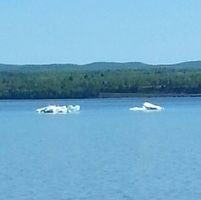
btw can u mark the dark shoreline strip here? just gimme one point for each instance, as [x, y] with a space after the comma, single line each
[115, 95]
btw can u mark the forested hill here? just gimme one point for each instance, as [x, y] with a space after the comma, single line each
[98, 66]
[99, 80]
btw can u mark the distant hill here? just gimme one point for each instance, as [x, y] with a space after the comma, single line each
[98, 66]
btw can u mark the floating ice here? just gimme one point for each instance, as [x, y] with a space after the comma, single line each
[147, 107]
[54, 109]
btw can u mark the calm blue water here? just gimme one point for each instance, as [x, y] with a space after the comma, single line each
[104, 152]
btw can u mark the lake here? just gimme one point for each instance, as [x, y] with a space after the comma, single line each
[104, 152]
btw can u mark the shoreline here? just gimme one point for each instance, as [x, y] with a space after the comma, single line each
[113, 95]
[125, 95]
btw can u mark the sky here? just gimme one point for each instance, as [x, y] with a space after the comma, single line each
[85, 31]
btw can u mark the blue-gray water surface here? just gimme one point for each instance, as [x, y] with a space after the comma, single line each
[104, 152]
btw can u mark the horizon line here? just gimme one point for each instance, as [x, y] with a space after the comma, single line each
[96, 62]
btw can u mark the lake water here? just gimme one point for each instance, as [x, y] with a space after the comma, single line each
[105, 152]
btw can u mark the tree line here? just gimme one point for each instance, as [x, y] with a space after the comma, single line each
[90, 84]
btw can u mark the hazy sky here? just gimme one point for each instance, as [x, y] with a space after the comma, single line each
[83, 31]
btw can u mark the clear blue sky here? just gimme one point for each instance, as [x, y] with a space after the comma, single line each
[83, 31]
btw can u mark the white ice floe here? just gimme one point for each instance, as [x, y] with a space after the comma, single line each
[147, 107]
[73, 108]
[150, 106]
[138, 109]
[54, 109]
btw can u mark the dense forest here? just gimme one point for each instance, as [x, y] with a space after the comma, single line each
[61, 83]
